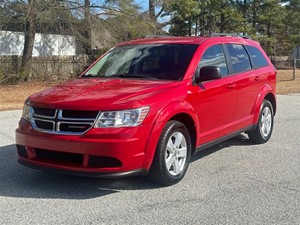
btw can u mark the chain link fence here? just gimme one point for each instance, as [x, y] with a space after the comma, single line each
[287, 69]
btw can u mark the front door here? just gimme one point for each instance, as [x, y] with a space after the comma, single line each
[215, 99]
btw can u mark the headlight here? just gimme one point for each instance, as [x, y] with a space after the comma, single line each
[26, 112]
[126, 118]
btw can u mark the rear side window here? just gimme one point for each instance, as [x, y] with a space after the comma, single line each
[239, 58]
[214, 56]
[258, 59]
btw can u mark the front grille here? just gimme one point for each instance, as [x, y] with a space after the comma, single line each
[45, 125]
[60, 121]
[79, 114]
[102, 162]
[59, 157]
[46, 112]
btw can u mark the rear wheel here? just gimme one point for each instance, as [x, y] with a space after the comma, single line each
[264, 128]
[172, 155]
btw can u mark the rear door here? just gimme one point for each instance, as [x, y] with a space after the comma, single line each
[249, 79]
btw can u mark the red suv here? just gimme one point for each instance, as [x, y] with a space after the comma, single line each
[147, 105]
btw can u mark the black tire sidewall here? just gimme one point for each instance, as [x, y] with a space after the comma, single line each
[265, 104]
[177, 127]
[159, 169]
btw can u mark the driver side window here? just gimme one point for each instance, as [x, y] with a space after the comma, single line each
[214, 56]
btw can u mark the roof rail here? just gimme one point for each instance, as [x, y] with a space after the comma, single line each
[158, 36]
[230, 35]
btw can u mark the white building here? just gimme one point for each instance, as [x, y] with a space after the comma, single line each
[12, 43]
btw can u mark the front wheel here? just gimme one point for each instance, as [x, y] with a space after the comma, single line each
[172, 154]
[264, 127]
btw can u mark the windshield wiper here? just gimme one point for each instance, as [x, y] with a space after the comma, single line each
[144, 76]
[89, 75]
[92, 75]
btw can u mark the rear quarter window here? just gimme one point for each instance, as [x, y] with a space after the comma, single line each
[257, 58]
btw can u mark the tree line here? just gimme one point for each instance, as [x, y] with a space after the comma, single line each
[274, 23]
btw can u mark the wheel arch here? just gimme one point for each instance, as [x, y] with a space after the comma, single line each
[184, 114]
[271, 98]
[188, 121]
[266, 93]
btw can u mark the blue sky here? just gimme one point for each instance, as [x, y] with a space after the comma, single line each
[141, 3]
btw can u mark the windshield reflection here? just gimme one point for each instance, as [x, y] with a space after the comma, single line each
[149, 61]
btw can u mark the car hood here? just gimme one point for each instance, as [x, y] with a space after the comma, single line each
[99, 94]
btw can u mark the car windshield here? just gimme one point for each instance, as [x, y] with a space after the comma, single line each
[147, 61]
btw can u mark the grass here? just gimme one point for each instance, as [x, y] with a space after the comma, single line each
[13, 96]
[285, 84]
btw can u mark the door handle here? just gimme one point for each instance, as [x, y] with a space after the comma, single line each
[231, 86]
[257, 78]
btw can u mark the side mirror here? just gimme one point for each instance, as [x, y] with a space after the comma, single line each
[208, 73]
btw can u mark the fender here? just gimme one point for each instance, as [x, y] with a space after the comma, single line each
[266, 89]
[161, 119]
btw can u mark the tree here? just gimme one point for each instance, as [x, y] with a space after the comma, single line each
[182, 13]
[32, 16]
[30, 30]
[271, 26]
[129, 22]
[205, 17]
[157, 10]
[88, 30]
[293, 20]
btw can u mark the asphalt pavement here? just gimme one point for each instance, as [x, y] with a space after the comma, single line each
[234, 182]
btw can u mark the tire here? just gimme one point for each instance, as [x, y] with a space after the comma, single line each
[263, 131]
[172, 156]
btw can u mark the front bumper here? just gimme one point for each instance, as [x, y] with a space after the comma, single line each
[84, 174]
[106, 152]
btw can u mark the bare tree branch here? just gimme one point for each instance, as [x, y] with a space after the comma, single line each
[160, 12]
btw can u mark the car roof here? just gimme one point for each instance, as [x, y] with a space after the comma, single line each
[190, 40]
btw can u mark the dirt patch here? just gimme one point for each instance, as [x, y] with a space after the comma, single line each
[13, 96]
[285, 84]
[286, 87]
[287, 75]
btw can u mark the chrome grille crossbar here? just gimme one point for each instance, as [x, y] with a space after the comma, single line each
[53, 121]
